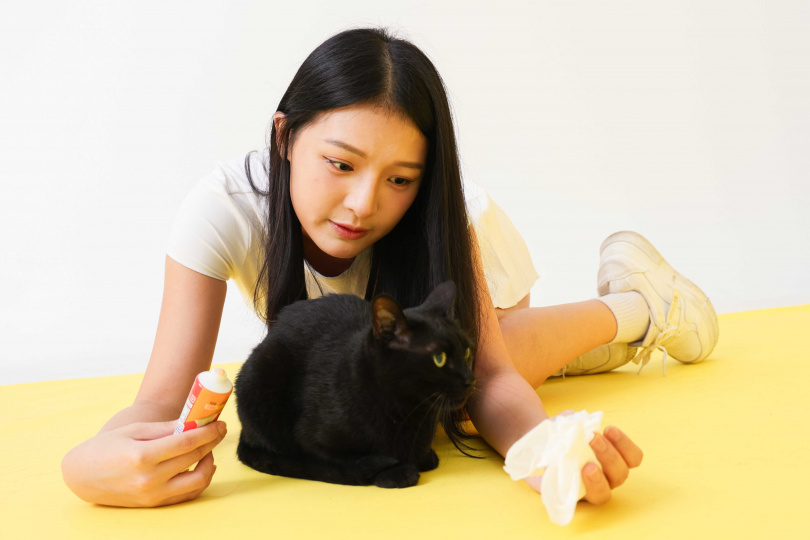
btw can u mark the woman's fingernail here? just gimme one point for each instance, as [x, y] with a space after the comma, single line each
[590, 470]
[598, 443]
[613, 433]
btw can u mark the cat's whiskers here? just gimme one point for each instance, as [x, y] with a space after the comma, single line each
[416, 408]
[403, 422]
[439, 398]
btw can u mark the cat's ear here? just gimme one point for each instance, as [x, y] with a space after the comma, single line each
[388, 320]
[440, 299]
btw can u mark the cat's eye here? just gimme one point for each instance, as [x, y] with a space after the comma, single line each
[439, 359]
[467, 354]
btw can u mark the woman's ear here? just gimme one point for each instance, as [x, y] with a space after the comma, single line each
[278, 120]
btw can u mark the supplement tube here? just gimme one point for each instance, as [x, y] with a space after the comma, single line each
[205, 401]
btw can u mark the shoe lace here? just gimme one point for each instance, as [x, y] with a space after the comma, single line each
[670, 327]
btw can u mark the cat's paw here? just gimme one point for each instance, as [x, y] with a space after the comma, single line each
[368, 467]
[402, 476]
[429, 461]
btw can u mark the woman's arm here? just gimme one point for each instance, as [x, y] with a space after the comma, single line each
[186, 335]
[135, 460]
[187, 332]
[506, 407]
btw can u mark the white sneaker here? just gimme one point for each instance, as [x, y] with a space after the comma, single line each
[602, 358]
[682, 319]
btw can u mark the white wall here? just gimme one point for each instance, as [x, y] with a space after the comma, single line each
[686, 121]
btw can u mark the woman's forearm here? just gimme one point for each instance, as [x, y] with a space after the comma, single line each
[505, 408]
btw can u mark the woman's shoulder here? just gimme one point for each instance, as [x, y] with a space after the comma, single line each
[219, 219]
[229, 179]
[232, 173]
[476, 199]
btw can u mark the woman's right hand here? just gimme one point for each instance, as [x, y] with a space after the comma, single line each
[143, 464]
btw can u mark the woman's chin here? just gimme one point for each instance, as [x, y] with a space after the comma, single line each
[345, 249]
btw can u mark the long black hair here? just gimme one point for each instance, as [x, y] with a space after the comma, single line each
[432, 242]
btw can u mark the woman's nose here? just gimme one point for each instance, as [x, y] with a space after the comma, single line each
[362, 197]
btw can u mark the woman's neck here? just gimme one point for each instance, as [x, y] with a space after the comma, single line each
[324, 264]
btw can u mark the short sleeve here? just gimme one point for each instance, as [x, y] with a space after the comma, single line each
[210, 233]
[507, 263]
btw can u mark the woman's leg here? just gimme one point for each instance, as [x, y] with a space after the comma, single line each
[664, 311]
[541, 340]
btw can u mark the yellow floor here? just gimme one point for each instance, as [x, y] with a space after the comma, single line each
[726, 445]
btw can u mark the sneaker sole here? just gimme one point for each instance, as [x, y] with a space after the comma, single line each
[685, 286]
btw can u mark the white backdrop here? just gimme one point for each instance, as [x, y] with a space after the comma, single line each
[686, 121]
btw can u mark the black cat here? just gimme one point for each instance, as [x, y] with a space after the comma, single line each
[347, 391]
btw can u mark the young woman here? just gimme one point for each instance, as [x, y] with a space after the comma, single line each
[359, 191]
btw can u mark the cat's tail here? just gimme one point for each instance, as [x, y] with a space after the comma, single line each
[360, 472]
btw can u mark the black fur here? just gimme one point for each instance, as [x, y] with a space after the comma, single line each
[348, 391]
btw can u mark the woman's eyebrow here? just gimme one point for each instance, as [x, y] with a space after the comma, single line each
[350, 148]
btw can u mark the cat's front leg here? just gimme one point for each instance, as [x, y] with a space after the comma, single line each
[428, 462]
[368, 467]
[402, 476]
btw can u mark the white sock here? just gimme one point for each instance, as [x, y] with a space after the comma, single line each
[632, 315]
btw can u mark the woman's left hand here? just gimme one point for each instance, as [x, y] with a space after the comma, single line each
[617, 454]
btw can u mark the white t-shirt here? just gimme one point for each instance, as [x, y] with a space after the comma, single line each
[218, 232]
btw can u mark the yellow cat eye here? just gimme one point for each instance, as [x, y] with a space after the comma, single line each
[440, 359]
[467, 354]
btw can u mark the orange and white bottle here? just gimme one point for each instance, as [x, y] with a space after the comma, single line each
[205, 401]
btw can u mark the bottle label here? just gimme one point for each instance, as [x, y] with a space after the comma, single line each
[199, 406]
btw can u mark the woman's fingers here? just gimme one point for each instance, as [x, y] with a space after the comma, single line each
[183, 444]
[617, 455]
[597, 490]
[631, 453]
[614, 467]
[194, 450]
[189, 485]
[168, 455]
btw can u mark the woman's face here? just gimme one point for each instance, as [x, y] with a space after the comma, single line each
[354, 173]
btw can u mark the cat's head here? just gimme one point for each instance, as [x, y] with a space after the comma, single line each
[422, 350]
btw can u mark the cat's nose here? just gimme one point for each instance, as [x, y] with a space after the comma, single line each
[469, 379]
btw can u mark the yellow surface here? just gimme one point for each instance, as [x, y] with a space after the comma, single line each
[726, 445]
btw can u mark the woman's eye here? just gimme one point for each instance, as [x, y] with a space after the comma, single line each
[338, 164]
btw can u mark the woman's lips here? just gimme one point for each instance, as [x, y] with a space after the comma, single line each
[350, 234]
